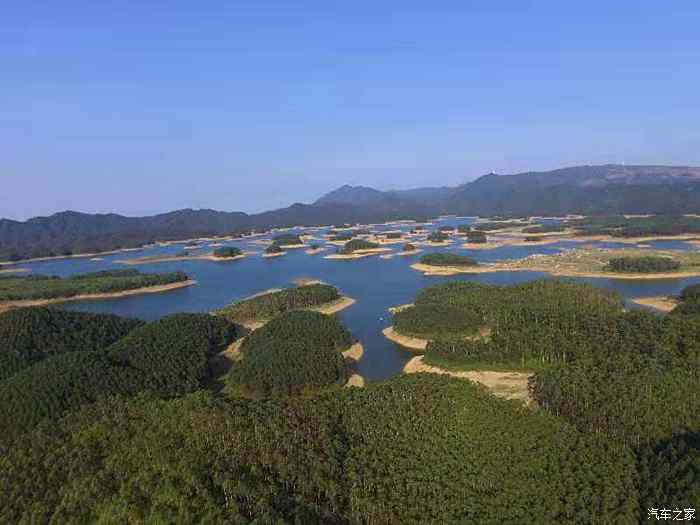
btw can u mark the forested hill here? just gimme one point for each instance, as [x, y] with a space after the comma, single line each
[609, 189]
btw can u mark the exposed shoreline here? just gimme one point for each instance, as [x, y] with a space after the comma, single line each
[14, 270]
[413, 343]
[508, 385]
[276, 254]
[663, 304]
[8, 305]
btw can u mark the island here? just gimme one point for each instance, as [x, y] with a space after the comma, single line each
[36, 290]
[357, 249]
[222, 254]
[274, 250]
[253, 312]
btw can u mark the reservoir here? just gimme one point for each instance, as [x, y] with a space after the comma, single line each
[375, 283]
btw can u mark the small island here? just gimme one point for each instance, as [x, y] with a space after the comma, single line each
[38, 290]
[274, 250]
[446, 264]
[288, 241]
[438, 238]
[357, 249]
[255, 311]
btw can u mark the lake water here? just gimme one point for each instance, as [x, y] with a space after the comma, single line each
[376, 284]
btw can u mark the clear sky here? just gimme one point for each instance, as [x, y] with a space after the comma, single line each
[141, 107]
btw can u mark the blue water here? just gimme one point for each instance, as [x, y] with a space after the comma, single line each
[376, 284]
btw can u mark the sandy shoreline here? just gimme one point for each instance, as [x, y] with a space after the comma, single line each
[454, 270]
[413, 343]
[7, 305]
[14, 270]
[334, 306]
[663, 304]
[509, 385]
[354, 353]
[277, 254]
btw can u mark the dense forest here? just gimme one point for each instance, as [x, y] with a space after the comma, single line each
[268, 305]
[28, 335]
[412, 450]
[33, 287]
[642, 264]
[168, 357]
[447, 259]
[294, 351]
[529, 324]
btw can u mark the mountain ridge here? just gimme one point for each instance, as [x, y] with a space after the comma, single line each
[603, 189]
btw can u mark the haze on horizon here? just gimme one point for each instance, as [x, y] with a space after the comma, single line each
[140, 109]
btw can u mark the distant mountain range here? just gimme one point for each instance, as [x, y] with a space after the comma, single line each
[608, 189]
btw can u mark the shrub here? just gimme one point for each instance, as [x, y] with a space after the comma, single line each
[408, 247]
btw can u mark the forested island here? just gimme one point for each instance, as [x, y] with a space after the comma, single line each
[32, 290]
[262, 307]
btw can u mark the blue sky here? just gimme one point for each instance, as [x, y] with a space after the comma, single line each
[144, 107]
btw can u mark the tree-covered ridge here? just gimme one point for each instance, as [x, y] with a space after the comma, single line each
[28, 335]
[634, 398]
[266, 306]
[357, 245]
[447, 259]
[531, 323]
[643, 264]
[412, 450]
[227, 252]
[35, 287]
[296, 350]
[169, 357]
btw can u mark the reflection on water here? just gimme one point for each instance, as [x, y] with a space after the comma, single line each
[375, 283]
